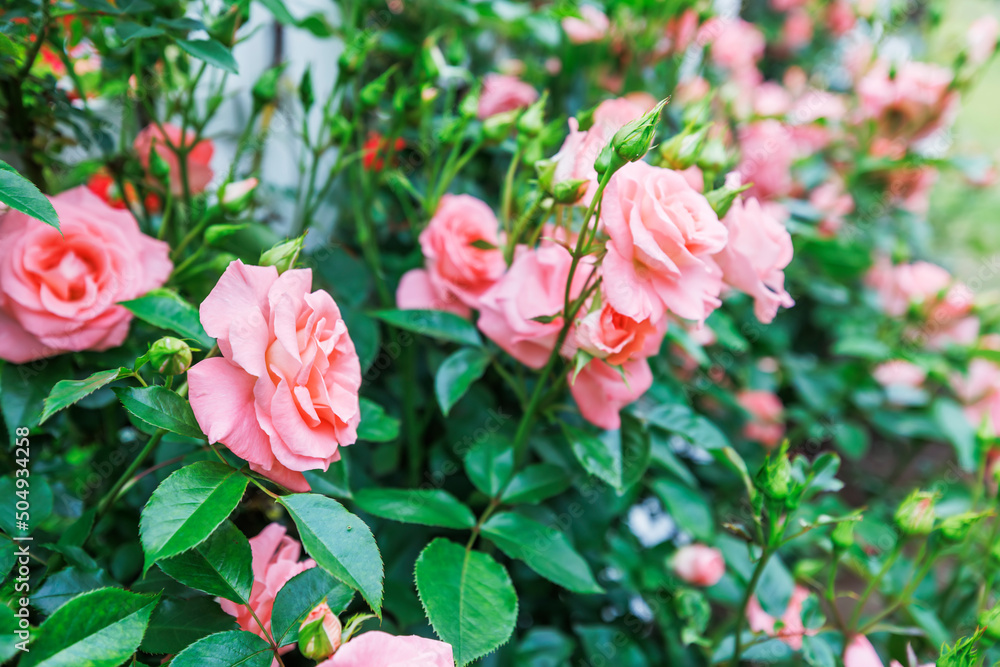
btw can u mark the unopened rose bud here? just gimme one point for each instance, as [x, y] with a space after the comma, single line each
[319, 635]
[608, 160]
[570, 192]
[956, 528]
[721, 199]
[990, 619]
[224, 28]
[158, 167]
[306, 95]
[682, 151]
[469, 107]
[699, 565]
[546, 171]
[632, 141]
[774, 478]
[915, 515]
[843, 535]
[284, 255]
[266, 88]
[532, 121]
[170, 356]
[713, 156]
[373, 91]
[235, 196]
[498, 126]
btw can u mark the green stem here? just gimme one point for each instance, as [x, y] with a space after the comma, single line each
[109, 498]
[758, 571]
[508, 189]
[890, 559]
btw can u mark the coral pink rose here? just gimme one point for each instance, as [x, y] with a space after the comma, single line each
[60, 293]
[699, 565]
[458, 270]
[284, 395]
[380, 649]
[533, 289]
[592, 26]
[275, 561]
[601, 392]
[755, 257]
[903, 285]
[982, 39]
[899, 373]
[859, 652]
[979, 389]
[662, 236]
[840, 17]
[504, 93]
[766, 424]
[767, 155]
[199, 171]
[609, 335]
[793, 629]
[910, 100]
[681, 31]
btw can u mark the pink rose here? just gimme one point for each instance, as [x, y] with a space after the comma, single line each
[592, 26]
[771, 99]
[199, 171]
[910, 188]
[275, 560]
[609, 335]
[504, 93]
[60, 293]
[699, 565]
[910, 100]
[284, 395]
[533, 289]
[767, 156]
[662, 236]
[833, 203]
[903, 285]
[601, 392]
[332, 630]
[681, 31]
[982, 39]
[753, 261]
[859, 652]
[899, 373]
[766, 424]
[380, 649]
[979, 390]
[793, 629]
[736, 44]
[840, 17]
[797, 31]
[457, 271]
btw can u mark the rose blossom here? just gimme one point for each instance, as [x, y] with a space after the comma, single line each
[899, 372]
[767, 156]
[606, 334]
[533, 288]
[275, 560]
[199, 171]
[754, 259]
[504, 93]
[601, 392]
[592, 26]
[797, 31]
[457, 271]
[793, 629]
[840, 17]
[60, 292]
[736, 44]
[699, 565]
[910, 101]
[979, 390]
[681, 31]
[284, 395]
[982, 39]
[331, 629]
[859, 652]
[380, 649]
[766, 424]
[831, 200]
[662, 235]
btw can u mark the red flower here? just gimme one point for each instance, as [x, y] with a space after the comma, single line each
[374, 149]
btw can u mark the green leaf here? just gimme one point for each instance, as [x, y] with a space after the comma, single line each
[165, 309]
[376, 425]
[102, 628]
[428, 507]
[7, 557]
[160, 407]
[67, 392]
[187, 507]
[280, 12]
[457, 374]
[129, 31]
[544, 549]
[65, 585]
[211, 52]
[21, 195]
[300, 595]
[8, 640]
[687, 506]
[489, 465]
[24, 388]
[220, 566]
[434, 323]
[39, 496]
[339, 542]
[952, 421]
[468, 597]
[636, 448]
[236, 648]
[176, 624]
[620, 457]
[536, 483]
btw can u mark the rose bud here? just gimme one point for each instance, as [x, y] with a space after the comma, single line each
[699, 565]
[915, 515]
[170, 356]
[283, 255]
[320, 634]
[234, 197]
[843, 536]
[775, 477]
[990, 620]
[955, 528]
[632, 142]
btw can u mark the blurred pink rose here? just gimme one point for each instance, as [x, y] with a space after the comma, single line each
[859, 652]
[457, 271]
[284, 395]
[910, 100]
[910, 188]
[900, 373]
[199, 171]
[601, 392]
[60, 293]
[755, 257]
[982, 39]
[797, 31]
[736, 44]
[662, 236]
[833, 203]
[840, 17]
[699, 565]
[609, 335]
[979, 390]
[533, 287]
[681, 31]
[771, 99]
[380, 649]
[766, 424]
[785, 5]
[767, 155]
[275, 561]
[691, 90]
[792, 630]
[592, 26]
[504, 93]
[903, 285]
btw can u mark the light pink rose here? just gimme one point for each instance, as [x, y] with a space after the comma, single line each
[606, 334]
[533, 287]
[755, 257]
[982, 39]
[786, 5]
[793, 629]
[284, 395]
[979, 390]
[797, 31]
[691, 90]
[275, 561]
[840, 17]
[457, 271]
[859, 652]
[681, 31]
[699, 565]
[736, 44]
[592, 26]
[833, 203]
[662, 236]
[771, 99]
[502, 93]
[380, 649]
[766, 425]
[59, 293]
[910, 100]
[199, 171]
[905, 285]
[899, 372]
[767, 155]
[601, 392]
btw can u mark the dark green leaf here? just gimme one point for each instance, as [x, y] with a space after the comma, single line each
[221, 565]
[129, 31]
[536, 483]
[160, 407]
[211, 52]
[952, 421]
[65, 585]
[429, 507]
[24, 388]
[489, 465]
[434, 323]
[165, 309]
[376, 425]
[457, 374]
[8, 640]
[38, 494]
[176, 624]
[67, 392]
[21, 195]
[687, 506]
[236, 648]
[302, 594]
